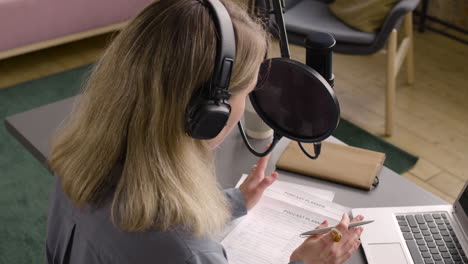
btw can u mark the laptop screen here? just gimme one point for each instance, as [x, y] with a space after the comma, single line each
[463, 200]
[461, 207]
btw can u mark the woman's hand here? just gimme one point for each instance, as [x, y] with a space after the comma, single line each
[323, 249]
[254, 185]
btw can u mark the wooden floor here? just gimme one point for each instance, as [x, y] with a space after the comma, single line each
[431, 115]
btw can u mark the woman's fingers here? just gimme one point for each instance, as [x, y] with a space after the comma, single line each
[268, 180]
[348, 244]
[324, 224]
[262, 163]
[258, 170]
[343, 224]
[357, 219]
[325, 249]
[357, 232]
[348, 251]
[256, 182]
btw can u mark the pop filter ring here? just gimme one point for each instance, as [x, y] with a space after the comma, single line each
[282, 132]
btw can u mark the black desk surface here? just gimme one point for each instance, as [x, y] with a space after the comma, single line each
[35, 128]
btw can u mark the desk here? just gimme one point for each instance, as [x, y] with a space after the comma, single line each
[34, 129]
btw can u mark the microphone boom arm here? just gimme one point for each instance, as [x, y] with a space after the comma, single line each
[278, 9]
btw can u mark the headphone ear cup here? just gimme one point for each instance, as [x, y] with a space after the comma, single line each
[208, 119]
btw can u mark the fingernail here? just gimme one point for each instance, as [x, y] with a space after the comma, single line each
[324, 221]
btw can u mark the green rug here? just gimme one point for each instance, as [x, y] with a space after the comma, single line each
[25, 183]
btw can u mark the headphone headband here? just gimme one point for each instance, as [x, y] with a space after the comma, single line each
[208, 114]
[225, 51]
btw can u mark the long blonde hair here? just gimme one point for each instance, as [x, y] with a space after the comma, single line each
[133, 106]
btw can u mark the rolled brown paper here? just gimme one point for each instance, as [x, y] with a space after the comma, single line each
[339, 163]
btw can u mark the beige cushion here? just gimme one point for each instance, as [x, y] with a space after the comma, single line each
[363, 15]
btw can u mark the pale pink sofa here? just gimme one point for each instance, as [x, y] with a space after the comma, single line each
[28, 25]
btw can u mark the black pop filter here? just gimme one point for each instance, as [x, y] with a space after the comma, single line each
[295, 101]
[291, 97]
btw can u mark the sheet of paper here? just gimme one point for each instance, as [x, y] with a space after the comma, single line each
[228, 229]
[309, 202]
[280, 186]
[270, 232]
[314, 199]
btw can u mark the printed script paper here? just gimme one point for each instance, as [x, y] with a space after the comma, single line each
[280, 186]
[291, 192]
[270, 232]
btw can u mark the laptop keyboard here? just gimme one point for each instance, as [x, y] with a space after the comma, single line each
[430, 239]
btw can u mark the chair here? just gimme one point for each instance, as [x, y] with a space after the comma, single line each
[305, 16]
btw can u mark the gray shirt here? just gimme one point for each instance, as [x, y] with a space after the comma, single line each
[88, 236]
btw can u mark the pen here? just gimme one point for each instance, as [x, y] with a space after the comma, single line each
[323, 230]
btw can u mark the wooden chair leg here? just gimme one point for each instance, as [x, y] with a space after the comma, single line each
[409, 55]
[391, 82]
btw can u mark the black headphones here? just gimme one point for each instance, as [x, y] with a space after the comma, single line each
[208, 111]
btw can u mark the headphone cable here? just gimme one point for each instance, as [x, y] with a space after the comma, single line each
[276, 139]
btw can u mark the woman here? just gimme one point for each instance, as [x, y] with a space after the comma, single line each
[132, 186]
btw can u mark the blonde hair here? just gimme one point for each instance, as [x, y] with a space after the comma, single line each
[133, 108]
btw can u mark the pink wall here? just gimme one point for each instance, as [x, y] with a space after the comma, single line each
[24, 22]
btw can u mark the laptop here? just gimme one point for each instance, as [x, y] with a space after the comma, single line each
[434, 234]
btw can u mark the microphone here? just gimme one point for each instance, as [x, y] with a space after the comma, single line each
[319, 47]
[319, 55]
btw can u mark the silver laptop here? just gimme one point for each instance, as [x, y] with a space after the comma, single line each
[423, 234]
